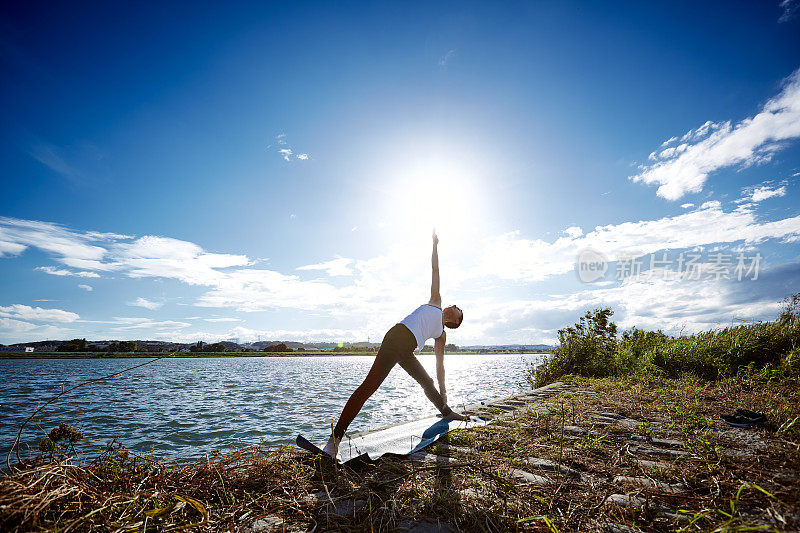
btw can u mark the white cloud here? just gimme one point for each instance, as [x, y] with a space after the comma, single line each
[21, 331]
[86, 287]
[513, 257]
[680, 307]
[335, 267]
[685, 168]
[381, 289]
[11, 248]
[21, 322]
[286, 151]
[147, 304]
[257, 290]
[37, 314]
[687, 206]
[129, 323]
[77, 250]
[164, 257]
[765, 191]
[64, 272]
[228, 319]
[15, 326]
[249, 334]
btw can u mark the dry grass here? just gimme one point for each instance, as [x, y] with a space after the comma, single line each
[471, 487]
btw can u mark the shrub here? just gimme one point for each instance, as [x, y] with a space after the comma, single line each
[591, 348]
[587, 348]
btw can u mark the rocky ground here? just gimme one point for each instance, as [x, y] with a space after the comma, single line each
[593, 456]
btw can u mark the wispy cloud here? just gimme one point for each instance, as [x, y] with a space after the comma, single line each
[79, 163]
[19, 330]
[54, 271]
[129, 323]
[164, 257]
[762, 192]
[335, 267]
[684, 168]
[446, 58]
[25, 312]
[514, 257]
[147, 304]
[681, 306]
[88, 288]
[281, 144]
[373, 291]
[789, 8]
[52, 157]
[74, 249]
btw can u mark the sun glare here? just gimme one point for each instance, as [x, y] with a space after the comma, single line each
[437, 192]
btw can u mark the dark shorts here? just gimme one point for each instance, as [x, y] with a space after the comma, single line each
[398, 345]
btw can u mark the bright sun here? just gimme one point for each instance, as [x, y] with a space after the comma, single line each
[435, 192]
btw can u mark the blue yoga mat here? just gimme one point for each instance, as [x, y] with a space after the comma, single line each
[400, 439]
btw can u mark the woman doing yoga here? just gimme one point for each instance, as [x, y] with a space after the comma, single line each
[425, 322]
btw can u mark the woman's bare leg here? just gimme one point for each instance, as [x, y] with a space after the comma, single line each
[376, 375]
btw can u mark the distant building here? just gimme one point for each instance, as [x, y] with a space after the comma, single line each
[22, 349]
[47, 348]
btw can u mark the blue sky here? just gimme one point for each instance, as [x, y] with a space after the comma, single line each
[209, 172]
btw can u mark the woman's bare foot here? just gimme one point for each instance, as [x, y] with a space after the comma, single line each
[332, 448]
[456, 416]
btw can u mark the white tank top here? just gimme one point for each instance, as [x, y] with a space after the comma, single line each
[425, 322]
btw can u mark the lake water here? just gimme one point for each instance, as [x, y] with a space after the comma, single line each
[184, 408]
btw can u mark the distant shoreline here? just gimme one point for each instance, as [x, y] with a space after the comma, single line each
[154, 355]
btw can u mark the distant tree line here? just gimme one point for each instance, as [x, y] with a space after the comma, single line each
[354, 349]
[281, 347]
[201, 347]
[81, 345]
[123, 346]
[447, 348]
[75, 345]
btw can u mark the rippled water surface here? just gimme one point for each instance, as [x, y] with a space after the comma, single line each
[184, 408]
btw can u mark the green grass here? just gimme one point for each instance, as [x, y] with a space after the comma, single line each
[760, 351]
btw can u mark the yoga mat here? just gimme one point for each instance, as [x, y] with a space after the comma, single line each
[399, 439]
